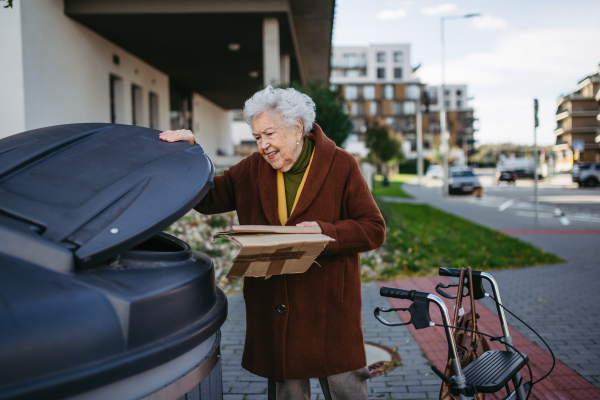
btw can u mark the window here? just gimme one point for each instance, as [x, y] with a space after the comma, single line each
[398, 73]
[360, 108]
[412, 92]
[397, 108]
[398, 57]
[410, 108]
[369, 92]
[351, 92]
[350, 60]
[380, 56]
[458, 92]
[447, 103]
[116, 100]
[373, 108]
[388, 92]
[357, 108]
[446, 93]
[458, 103]
[136, 105]
[153, 108]
[380, 73]
[352, 73]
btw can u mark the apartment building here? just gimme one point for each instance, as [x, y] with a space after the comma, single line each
[379, 87]
[160, 64]
[578, 124]
[460, 119]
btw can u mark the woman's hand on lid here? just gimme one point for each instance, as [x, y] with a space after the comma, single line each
[181, 135]
[312, 224]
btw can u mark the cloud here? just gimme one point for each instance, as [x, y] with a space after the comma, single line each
[520, 66]
[489, 23]
[388, 15]
[439, 10]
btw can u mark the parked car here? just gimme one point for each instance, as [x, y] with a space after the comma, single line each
[463, 180]
[586, 174]
[435, 172]
[506, 175]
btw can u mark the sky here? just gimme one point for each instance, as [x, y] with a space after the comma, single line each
[514, 52]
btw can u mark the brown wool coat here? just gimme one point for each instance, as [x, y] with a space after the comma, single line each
[320, 334]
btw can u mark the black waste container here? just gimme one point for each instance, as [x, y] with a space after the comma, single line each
[95, 301]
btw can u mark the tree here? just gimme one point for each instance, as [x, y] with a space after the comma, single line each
[331, 116]
[383, 145]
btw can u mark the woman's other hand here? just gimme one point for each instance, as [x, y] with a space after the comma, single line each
[312, 224]
[182, 135]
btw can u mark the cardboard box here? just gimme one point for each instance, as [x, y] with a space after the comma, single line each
[274, 250]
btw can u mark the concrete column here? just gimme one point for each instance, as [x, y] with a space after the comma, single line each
[271, 59]
[284, 68]
[12, 89]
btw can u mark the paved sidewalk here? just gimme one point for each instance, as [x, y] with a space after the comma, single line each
[559, 301]
[563, 383]
[412, 380]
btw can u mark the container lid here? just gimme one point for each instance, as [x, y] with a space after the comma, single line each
[99, 189]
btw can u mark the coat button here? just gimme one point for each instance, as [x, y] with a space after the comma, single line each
[281, 309]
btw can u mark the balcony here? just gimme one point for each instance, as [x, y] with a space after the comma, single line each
[358, 65]
[585, 113]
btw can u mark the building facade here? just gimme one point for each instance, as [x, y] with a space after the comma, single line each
[578, 125]
[119, 61]
[379, 86]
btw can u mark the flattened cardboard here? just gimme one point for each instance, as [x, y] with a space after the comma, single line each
[266, 254]
[273, 229]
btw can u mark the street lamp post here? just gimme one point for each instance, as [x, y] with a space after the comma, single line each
[419, 127]
[443, 125]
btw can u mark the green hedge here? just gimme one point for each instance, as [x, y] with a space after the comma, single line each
[410, 166]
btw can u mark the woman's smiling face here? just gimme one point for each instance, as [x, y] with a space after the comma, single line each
[276, 143]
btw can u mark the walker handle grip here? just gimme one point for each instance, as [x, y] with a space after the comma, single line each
[397, 293]
[449, 272]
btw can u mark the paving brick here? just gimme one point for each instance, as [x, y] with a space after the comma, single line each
[399, 396]
[239, 383]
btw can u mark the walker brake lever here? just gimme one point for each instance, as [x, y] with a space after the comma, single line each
[450, 296]
[383, 321]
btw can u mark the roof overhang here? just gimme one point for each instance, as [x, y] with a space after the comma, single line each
[188, 39]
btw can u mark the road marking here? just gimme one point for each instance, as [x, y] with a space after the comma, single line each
[564, 220]
[506, 204]
[550, 232]
[532, 214]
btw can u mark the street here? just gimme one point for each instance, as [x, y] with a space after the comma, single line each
[561, 202]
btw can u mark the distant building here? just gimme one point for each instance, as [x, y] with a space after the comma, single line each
[577, 123]
[154, 63]
[379, 86]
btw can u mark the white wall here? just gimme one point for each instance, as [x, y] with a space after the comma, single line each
[12, 95]
[372, 64]
[240, 131]
[67, 68]
[452, 98]
[211, 126]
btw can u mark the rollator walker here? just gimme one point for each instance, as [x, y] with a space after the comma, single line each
[491, 371]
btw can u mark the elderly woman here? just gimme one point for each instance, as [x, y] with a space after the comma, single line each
[306, 325]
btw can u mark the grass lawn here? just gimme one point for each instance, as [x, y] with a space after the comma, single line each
[420, 239]
[395, 187]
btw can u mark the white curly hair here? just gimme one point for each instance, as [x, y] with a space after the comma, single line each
[289, 103]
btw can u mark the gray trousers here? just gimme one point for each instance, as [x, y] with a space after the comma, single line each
[350, 385]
